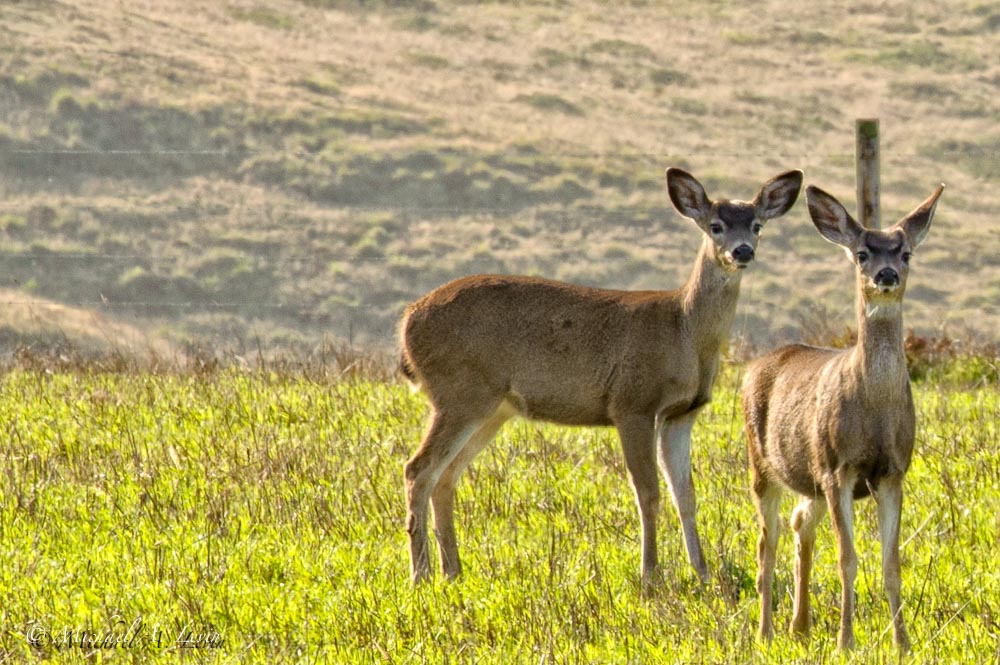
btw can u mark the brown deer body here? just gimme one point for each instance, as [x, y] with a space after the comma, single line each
[837, 425]
[488, 347]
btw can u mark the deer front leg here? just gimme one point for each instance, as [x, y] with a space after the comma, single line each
[675, 460]
[636, 433]
[889, 495]
[840, 501]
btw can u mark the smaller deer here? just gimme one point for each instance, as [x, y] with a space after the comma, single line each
[489, 347]
[835, 426]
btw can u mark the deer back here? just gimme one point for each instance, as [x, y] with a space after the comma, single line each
[561, 352]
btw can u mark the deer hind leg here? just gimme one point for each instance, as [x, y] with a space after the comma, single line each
[445, 438]
[675, 460]
[636, 433]
[443, 496]
[805, 518]
[889, 495]
[767, 499]
[840, 501]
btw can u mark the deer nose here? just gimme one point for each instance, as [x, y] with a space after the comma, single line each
[743, 254]
[887, 278]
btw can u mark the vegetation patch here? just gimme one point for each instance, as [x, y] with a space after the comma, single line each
[621, 48]
[551, 57]
[980, 158]
[665, 76]
[921, 54]
[428, 60]
[321, 86]
[164, 501]
[373, 5]
[263, 16]
[443, 179]
[86, 138]
[548, 102]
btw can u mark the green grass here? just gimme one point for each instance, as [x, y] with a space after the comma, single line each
[265, 512]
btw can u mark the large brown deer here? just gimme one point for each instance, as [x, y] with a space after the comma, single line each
[838, 425]
[489, 347]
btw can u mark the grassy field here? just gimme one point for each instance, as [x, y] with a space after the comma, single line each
[258, 516]
[239, 174]
[182, 182]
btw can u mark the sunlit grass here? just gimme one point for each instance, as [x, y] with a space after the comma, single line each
[266, 512]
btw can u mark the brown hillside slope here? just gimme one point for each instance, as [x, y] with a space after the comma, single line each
[297, 169]
[44, 327]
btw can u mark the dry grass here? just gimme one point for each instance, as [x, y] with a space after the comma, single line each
[565, 115]
[37, 327]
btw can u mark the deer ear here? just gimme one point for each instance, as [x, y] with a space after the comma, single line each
[778, 195]
[918, 223]
[687, 195]
[831, 219]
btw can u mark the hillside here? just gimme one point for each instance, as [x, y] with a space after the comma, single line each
[276, 174]
[31, 324]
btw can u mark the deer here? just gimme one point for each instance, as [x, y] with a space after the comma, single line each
[486, 348]
[834, 426]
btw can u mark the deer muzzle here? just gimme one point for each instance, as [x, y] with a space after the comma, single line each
[742, 256]
[887, 279]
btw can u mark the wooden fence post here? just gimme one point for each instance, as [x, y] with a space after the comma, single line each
[866, 158]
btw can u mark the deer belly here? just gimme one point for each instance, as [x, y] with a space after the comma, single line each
[793, 468]
[569, 406]
[801, 481]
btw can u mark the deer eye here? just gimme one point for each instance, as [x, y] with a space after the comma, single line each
[862, 256]
[716, 228]
[756, 228]
[906, 258]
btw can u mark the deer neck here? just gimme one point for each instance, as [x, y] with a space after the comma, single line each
[879, 355]
[709, 298]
